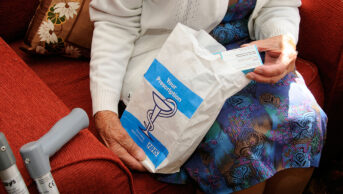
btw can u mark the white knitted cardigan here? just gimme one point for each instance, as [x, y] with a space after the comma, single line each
[128, 34]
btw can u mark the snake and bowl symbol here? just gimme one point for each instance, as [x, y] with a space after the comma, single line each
[164, 107]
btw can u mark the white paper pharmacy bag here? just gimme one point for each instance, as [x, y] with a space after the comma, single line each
[181, 95]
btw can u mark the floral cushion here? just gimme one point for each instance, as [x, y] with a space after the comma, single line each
[60, 27]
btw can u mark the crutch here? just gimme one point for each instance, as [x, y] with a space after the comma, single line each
[9, 173]
[36, 154]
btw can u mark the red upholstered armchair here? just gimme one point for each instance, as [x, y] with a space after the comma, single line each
[37, 91]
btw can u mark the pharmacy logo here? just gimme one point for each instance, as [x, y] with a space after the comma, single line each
[164, 108]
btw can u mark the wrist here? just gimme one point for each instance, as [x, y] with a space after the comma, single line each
[104, 99]
[107, 114]
[289, 40]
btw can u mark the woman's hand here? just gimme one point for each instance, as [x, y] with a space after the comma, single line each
[279, 59]
[118, 140]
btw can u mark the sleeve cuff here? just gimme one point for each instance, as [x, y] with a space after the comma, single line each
[276, 30]
[104, 100]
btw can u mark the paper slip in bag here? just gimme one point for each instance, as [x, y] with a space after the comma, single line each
[181, 95]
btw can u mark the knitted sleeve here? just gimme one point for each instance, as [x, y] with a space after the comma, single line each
[116, 27]
[277, 17]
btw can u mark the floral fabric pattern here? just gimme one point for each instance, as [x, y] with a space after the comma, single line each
[58, 14]
[55, 25]
[67, 9]
[260, 131]
[46, 32]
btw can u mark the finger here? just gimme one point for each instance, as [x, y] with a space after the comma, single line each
[263, 79]
[127, 158]
[270, 70]
[127, 142]
[276, 66]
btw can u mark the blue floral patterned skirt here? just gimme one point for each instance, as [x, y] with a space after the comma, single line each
[261, 130]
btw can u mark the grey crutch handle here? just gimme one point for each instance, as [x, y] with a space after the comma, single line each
[36, 154]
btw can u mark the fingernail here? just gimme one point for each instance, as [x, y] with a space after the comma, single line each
[141, 155]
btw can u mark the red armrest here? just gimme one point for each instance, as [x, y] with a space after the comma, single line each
[29, 109]
[321, 41]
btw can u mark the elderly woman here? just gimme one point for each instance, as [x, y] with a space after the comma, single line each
[266, 139]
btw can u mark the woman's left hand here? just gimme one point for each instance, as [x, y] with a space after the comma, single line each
[279, 59]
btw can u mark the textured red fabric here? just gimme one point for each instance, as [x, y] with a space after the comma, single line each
[29, 109]
[67, 78]
[309, 71]
[15, 16]
[321, 41]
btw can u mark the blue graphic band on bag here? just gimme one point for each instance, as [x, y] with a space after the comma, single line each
[171, 88]
[154, 149]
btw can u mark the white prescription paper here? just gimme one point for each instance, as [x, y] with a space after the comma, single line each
[245, 58]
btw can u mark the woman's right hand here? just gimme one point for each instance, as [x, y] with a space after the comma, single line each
[118, 140]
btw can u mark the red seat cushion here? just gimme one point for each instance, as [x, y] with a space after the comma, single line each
[29, 109]
[67, 78]
[309, 71]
